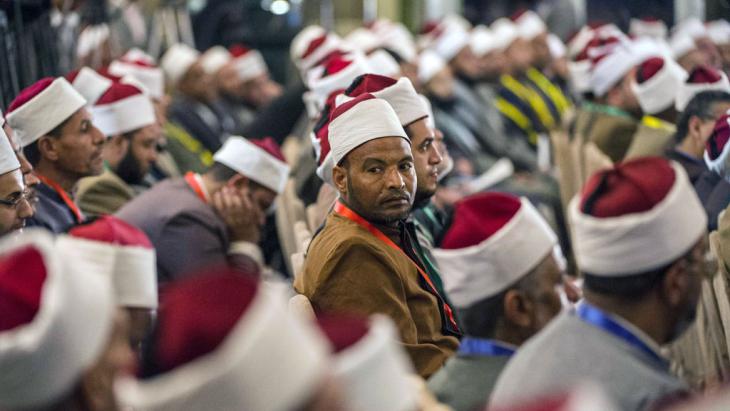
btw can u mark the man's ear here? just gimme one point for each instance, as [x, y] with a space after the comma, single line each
[694, 128]
[48, 148]
[237, 181]
[517, 308]
[339, 178]
[675, 283]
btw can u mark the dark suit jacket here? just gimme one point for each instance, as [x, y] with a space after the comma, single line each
[714, 193]
[51, 212]
[186, 232]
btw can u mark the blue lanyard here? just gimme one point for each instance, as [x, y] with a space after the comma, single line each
[471, 346]
[594, 316]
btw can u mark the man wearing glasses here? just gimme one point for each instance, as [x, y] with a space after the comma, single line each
[15, 205]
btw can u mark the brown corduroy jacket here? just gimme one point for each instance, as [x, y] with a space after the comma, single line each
[348, 270]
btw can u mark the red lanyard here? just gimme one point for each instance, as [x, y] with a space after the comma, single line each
[191, 179]
[78, 215]
[344, 211]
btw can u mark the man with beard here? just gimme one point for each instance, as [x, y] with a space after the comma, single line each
[413, 116]
[15, 205]
[640, 241]
[58, 138]
[127, 118]
[363, 261]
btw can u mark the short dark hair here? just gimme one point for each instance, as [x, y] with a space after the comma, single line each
[481, 318]
[33, 153]
[630, 286]
[221, 172]
[702, 106]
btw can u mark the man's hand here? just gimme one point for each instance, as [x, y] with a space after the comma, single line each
[242, 216]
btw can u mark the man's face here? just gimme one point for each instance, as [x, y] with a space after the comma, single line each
[466, 64]
[198, 84]
[141, 154]
[544, 295]
[710, 52]
[263, 197]
[442, 84]
[12, 217]
[541, 51]
[492, 65]
[26, 168]
[623, 97]
[695, 268]
[378, 180]
[228, 80]
[426, 158]
[78, 149]
[520, 55]
[692, 59]
[410, 71]
[260, 91]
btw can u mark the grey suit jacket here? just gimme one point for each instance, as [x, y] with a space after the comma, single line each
[465, 382]
[569, 351]
[186, 232]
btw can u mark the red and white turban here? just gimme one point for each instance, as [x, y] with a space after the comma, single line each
[701, 78]
[225, 342]
[260, 160]
[656, 83]
[90, 84]
[363, 119]
[123, 108]
[112, 247]
[494, 240]
[638, 216]
[141, 70]
[55, 322]
[717, 149]
[400, 94]
[41, 107]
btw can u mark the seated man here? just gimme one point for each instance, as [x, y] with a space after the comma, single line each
[213, 218]
[640, 244]
[713, 186]
[74, 340]
[15, 199]
[127, 119]
[499, 270]
[363, 261]
[61, 143]
[694, 129]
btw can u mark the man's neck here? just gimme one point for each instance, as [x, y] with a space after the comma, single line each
[391, 229]
[688, 146]
[509, 335]
[67, 181]
[644, 315]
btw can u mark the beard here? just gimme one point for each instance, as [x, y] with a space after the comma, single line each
[369, 211]
[130, 169]
[423, 197]
[684, 322]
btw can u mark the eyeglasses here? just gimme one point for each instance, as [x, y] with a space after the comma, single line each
[28, 195]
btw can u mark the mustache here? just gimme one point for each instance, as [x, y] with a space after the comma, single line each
[397, 195]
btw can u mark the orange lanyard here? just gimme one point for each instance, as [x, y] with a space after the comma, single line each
[78, 215]
[192, 181]
[344, 211]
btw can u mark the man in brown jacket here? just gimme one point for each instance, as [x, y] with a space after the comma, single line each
[363, 261]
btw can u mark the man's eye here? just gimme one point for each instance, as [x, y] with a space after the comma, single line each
[406, 166]
[375, 170]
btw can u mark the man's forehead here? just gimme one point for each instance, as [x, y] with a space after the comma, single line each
[11, 182]
[385, 148]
